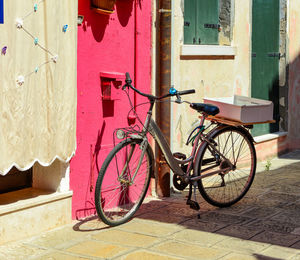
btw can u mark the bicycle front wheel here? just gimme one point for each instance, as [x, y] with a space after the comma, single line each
[123, 182]
[227, 187]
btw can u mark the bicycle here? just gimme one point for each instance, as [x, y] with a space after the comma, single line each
[222, 163]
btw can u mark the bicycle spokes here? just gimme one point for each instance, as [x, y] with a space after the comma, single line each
[226, 181]
[123, 182]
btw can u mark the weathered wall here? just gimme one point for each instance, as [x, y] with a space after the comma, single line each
[210, 76]
[294, 75]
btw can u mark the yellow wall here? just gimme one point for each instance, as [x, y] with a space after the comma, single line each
[210, 76]
[219, 77]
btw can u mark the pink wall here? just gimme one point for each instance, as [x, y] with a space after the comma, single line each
[105, 44]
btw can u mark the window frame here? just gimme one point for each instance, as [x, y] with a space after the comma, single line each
[219, 49]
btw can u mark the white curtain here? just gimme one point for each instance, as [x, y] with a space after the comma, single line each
[37, 82]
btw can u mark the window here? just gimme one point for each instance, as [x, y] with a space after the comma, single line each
[15, 180]
[207, 22]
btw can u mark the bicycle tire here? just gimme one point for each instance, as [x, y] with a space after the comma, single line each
[116, 198]
[224, 190]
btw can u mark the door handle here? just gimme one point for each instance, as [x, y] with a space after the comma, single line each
[275, 55]
[212, 26]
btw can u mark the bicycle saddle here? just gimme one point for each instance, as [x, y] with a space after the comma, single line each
[206, 108]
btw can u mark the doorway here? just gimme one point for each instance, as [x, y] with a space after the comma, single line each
[265, 58]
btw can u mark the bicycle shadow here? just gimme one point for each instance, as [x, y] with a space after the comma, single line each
[91, 223]
[268, 213]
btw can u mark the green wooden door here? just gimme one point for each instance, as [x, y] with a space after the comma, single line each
[265, 59]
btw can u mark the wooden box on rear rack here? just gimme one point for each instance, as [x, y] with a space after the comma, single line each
[243, 109]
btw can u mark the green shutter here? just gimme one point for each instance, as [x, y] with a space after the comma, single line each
[189, 21]
[207, 21]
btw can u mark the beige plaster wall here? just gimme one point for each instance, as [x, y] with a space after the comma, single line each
[210, 76]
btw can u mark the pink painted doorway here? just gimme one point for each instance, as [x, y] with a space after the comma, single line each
[108, 46]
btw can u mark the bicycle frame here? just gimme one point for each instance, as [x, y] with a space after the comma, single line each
[216, 150]
[151, 127]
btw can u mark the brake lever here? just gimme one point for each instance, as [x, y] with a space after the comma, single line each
[178, 99]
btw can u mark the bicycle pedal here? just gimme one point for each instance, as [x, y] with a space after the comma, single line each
[193, 204]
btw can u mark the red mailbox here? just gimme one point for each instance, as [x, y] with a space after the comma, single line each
[110, 83]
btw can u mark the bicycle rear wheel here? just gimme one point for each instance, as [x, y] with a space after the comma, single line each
[120, 190]
[227, 188]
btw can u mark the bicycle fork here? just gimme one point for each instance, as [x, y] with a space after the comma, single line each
[143, 147]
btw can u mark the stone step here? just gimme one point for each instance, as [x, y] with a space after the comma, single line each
[30, 211]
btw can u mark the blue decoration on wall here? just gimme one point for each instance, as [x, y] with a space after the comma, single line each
[1, 12]
[3, 51]
[35, 7]
[65, 27]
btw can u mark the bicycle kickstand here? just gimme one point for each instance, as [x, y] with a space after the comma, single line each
[193, 203]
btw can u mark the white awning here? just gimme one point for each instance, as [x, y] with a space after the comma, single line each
[37, 83]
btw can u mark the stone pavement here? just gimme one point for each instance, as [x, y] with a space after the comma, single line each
[265, 225]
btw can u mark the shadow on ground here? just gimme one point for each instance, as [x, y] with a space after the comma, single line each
[268, 213]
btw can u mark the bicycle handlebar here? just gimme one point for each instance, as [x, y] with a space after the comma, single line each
[128, 82]
[128, 79]
[186, 92]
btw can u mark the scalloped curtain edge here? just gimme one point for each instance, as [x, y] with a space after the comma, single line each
[45, 164]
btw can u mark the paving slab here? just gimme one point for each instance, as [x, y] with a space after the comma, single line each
[197, 224]
[280, 226]
[61, 256]
[261, 212]
[240, 231]
[164, 218]
[290, 216]
[189, 251]
[151, 228]
[20, 251]
[121, 237]
[297, 257]
[242, 246]
[279, 196]
[224, 218]
[148, 255]
[237, 256]
[296, 245]
[198, 237]
[58, 238]
[98, 249]
[276, 238]
[280, 252]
